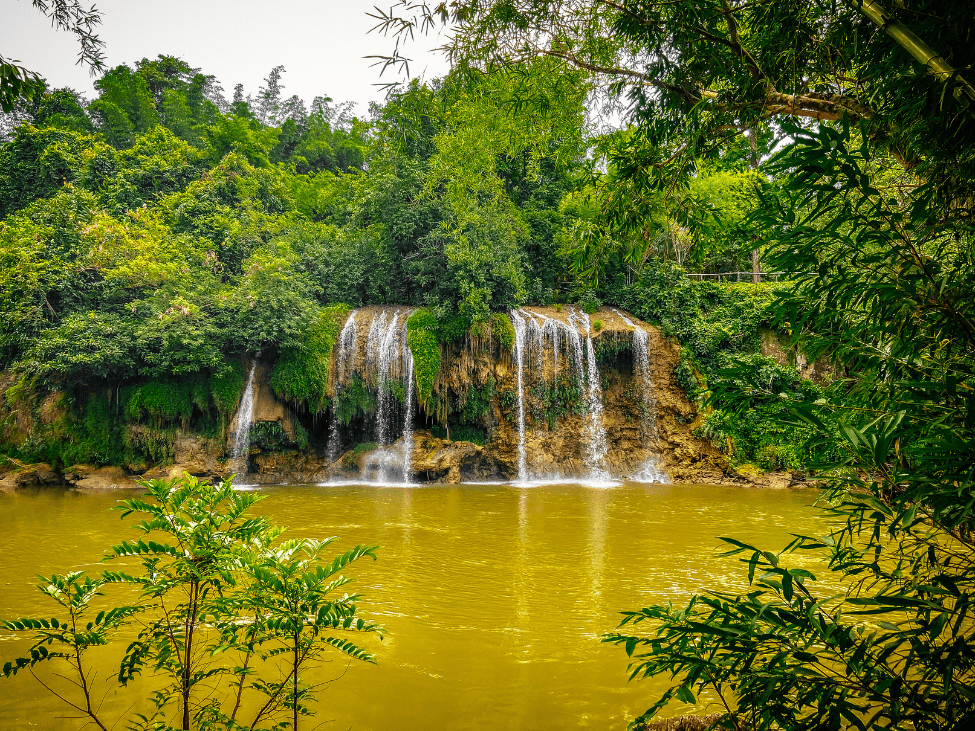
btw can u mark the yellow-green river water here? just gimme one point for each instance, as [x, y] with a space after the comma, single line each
[494, 598]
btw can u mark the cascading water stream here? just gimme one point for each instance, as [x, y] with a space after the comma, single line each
[552, 329]
[347, 343]
[596, 444]
[245, 413]
[641, 365]
[384, 359]
[577, 356]
[519, 347]
[408, 423]
[381, 357]
[651, 470]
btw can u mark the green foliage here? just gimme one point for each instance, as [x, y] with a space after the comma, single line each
[355, 400]
[590, 302]
[66, 640]
[227, 386]
[301, 436]
[452, 328]
[477, 405]
[37, 162]
[503, 331]
[423, 343]
[507, 400]
[270, 436]
[76, 427]
[211, 581]
[301, 373]
[461, 433]
[718, 325]
[274, 303]
[167, 401]
[151, 444]
[882, 283]
[609, 348]
[687, 376]
[551, 401]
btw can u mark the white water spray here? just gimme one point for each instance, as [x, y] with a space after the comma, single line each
[245, 413]
[641, 368]
[520, 327]
[595, 431]
[384, 358]
[381, 360]
[408, 423]
[347, 342]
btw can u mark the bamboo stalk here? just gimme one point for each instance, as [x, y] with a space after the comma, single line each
[905, 38]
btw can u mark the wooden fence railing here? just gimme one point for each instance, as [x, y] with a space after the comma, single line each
[740, 276]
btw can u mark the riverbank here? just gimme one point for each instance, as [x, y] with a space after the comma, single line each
[16, 476]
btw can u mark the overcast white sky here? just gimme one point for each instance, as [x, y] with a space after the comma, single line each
[321, 43]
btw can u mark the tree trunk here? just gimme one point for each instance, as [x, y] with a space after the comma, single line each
[753, 164]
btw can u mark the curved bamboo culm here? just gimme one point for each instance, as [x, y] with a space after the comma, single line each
[963, 91]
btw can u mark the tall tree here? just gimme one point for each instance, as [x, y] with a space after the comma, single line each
[268, 105]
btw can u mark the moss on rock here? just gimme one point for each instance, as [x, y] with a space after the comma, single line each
[422, 340]
[301, 374]
[502, 330]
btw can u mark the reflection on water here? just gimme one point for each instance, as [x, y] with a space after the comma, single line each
[494, 597]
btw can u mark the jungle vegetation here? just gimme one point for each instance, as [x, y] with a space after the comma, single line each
[152, 238]
[160, 231]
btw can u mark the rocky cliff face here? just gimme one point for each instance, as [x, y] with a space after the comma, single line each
[545, 393]
[504, 413]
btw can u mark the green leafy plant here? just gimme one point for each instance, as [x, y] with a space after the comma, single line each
[66, 640]
[503, 331]
[355, 400]
[270, 436]
[217, 591]
[589, 302]
[425, 347]
[301, 373]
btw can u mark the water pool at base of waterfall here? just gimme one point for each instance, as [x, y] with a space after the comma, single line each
[494, 597]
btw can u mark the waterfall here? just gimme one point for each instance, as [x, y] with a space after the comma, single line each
[377, 331]
[577, 357]
[519, 324]
[410, 396]
[641, 369]
[651, 471]
[347, 343]
[537, 335]
[384, 358]
[595, 431]
[243, 432]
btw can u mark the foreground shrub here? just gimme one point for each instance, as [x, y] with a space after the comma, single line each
[226, 612]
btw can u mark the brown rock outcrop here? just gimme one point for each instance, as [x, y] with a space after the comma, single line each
[88, 477]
